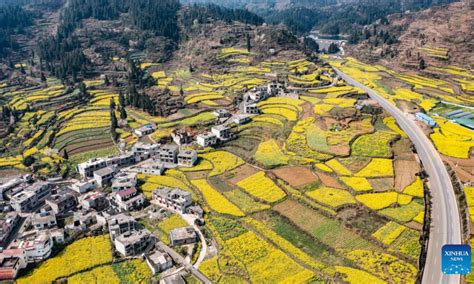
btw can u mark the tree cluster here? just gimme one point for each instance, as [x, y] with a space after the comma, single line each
[210, 12]
[13, 20]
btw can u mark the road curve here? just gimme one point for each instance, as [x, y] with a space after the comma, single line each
[445, 221]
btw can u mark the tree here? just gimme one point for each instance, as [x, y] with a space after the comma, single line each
[249, 45]
[43, 78]
[112, 104]
[333, 48]
[28, 161]
[65, 155]
[422, 64]
[114, 133]
[113, 119]
[310, 44]
[121, 99]
[181, 91]
[123, 113]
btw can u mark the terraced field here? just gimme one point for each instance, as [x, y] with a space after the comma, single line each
[306, 192]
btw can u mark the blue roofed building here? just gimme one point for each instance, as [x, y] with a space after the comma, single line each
[425, 119]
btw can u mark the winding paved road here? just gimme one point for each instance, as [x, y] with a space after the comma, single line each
[445, 224]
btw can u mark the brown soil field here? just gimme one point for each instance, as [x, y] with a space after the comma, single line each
[307, 110]
[405, 171]
[241, 173]
[464, 168]
[88, 146]
[382, 184]
[296, 176]
[329, 180]
[340, 150]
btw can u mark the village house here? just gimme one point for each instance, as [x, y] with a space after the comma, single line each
[104, 176]
[134, 242]
[181, 137]
[152, 169]
[44, 220]
[129, 199]
[11, 261]
[257, 94]
[195, 210]
[159, 261]
[7, 226]
[62, 202]
[122, 160]
[187, 158]
[222, 132]
[183, 236]
[88, 168]
[37, 248]
[172, 198]
[206, 139]
[120, 224]
[93, 200]
[222, 113]
[241, 119]
[31, 197]
[84, 186]
[144, 130]
[144, 151]
[168, 154]
[250, 108]
[123, 181]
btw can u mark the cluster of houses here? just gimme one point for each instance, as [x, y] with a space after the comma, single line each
[31, 229]
[42, 214]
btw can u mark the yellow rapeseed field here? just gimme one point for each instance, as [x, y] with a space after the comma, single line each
[222, 161]
[270, 155]
[332, 197]
[80, 255]
[389, 232]
[262, 187]
[215, 199]
[378, 200]
[356, 276]
[377, 168]
[357, 183]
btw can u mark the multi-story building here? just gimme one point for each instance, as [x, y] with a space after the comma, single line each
[168, 154]
[206, 139]
[129, 199]
[183, 236]
[123, 181]
[159, 261]
[134, 242]
[44, 220]
[144, 151]
[7, 225]
[241, 119]
[222, 132]
[31, 197]
[84, 186]
[88, 168]
[187, 158]
[104, 176]
[181, 137]
[152, 169]
[62, 202]
[120, 224]
[93, 200]
[250, 108]
[11, 261]
[37, 248]
[172, 198]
